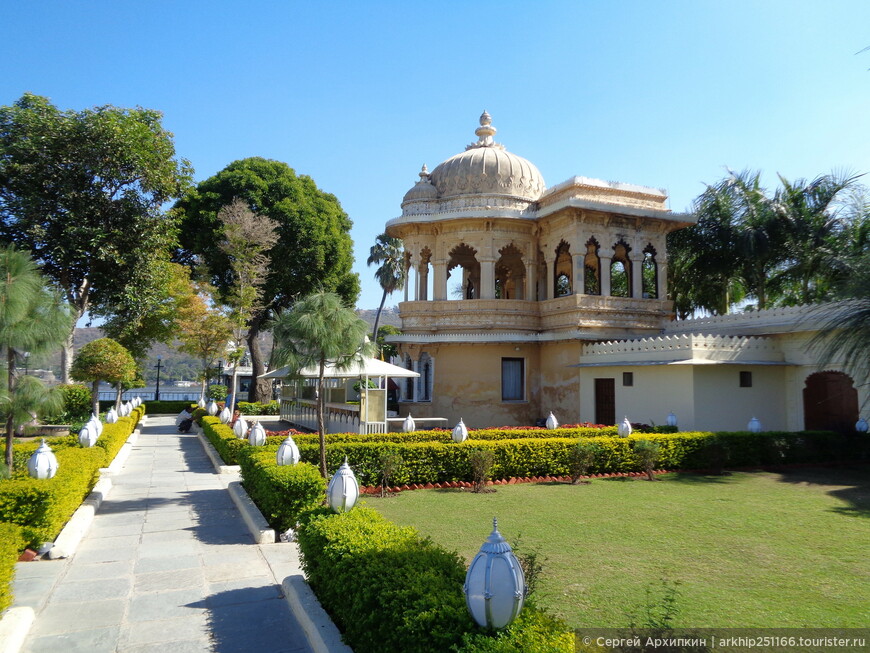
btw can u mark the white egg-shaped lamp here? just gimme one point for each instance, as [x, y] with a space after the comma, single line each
[257, 436]
[240, 428]
[343, 489]
[671, 419]
[42, 464]
[408, 425]
[754, 425]
[288, 452]
[201, 402]
[552, 422]
[460, 432]
[624, 428]
[111, 416]
[212, 408]
[88, 435]
[225, 415]
[495, 587]
[861, 425]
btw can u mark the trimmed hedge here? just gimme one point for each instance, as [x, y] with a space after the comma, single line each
[437, 462]
[282, 492]
[388, 589]
[167, 407]
[442, 435]
[223, 439]
[42, 507]
[11, 542]
[257, 408]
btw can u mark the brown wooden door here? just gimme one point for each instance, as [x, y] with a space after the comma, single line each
[605, 401]
[830, 402]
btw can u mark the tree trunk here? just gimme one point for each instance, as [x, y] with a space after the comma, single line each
[321, 431]
[378, 317]
[95, 398]
[119, 390]
[261, 389]
[10, 418]
[66, 357]
[233, 386]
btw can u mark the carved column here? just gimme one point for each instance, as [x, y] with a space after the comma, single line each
[578, 282]
[439, 289]
[423, 283]
[636, 275]
[605, 274]
[550, 289]
[662, 279]
[487, 279]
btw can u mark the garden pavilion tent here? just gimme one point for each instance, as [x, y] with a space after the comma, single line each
[370, 416]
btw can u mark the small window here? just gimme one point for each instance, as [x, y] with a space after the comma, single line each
[628, 379]
[746, 379]
[513, 374]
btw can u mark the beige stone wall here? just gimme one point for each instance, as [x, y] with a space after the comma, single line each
[559, 381]
[722, 405]
[467, 384]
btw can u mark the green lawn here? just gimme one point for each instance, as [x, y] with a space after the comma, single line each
[748, 549]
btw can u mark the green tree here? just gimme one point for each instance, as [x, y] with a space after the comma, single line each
[317, 331]
[388, 350]
[203, 332]
[389, 255]
[816, 223]
[103, 360]
[247, 238]
[314, 248]
[83, 190]
[32, 319]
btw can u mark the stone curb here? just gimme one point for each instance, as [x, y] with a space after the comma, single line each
[254, 520]
[14, 627]
[321, 633]
[215, 458]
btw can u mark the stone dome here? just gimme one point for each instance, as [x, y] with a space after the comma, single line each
[423, 190]
[486, 168]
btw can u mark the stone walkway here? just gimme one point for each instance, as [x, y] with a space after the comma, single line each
[167, 566]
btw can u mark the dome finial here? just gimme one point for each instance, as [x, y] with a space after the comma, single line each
[485, 132]
[424, 173]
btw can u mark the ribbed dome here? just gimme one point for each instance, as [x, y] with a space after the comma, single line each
[486, 168]
[423, 190]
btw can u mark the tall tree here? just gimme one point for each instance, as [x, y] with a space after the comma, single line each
[32, 319]
[103, 360]
[203, 332]
[80, 188]
[314, 248]
[389, 254]
[247, 238]
[320, 329]
[816, 222]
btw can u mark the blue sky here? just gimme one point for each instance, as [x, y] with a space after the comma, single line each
[360, 95]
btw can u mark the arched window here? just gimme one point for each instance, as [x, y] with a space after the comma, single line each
[562, 271]
[510, 274]
[465, 287]
[592, 269]
[620, 271]
[650, 273]
[424, 383]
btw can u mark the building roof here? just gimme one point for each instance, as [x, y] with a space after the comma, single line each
[371, 367]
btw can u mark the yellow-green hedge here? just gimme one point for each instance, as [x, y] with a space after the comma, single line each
[11, 543]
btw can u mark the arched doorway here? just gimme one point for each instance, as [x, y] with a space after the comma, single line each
[830, 402]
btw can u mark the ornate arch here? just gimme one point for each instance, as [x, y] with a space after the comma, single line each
[563, 271]
[464, 256]
[510, 273]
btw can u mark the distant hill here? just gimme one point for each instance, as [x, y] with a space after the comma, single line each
[176, 366]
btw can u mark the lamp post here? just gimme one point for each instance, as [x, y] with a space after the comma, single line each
[157, 388]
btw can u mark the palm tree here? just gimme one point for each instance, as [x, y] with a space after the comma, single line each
[34, 319]
[389, 252]
[815, 230]
[317, 331]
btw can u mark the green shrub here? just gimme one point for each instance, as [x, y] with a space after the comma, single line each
[281, 492]
[442, 435]
[217, 392]
[223, 439]
[647, 454]
[168, 407]
[42, 507]
[386, 588]
[257, 408]
[580, 458]
[533, 631]
[481, 466]
[76, 403]
[11, 544]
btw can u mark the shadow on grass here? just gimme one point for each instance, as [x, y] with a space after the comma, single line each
[688, 478]
[852, 485]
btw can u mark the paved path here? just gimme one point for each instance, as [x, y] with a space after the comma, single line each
[167, 566]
